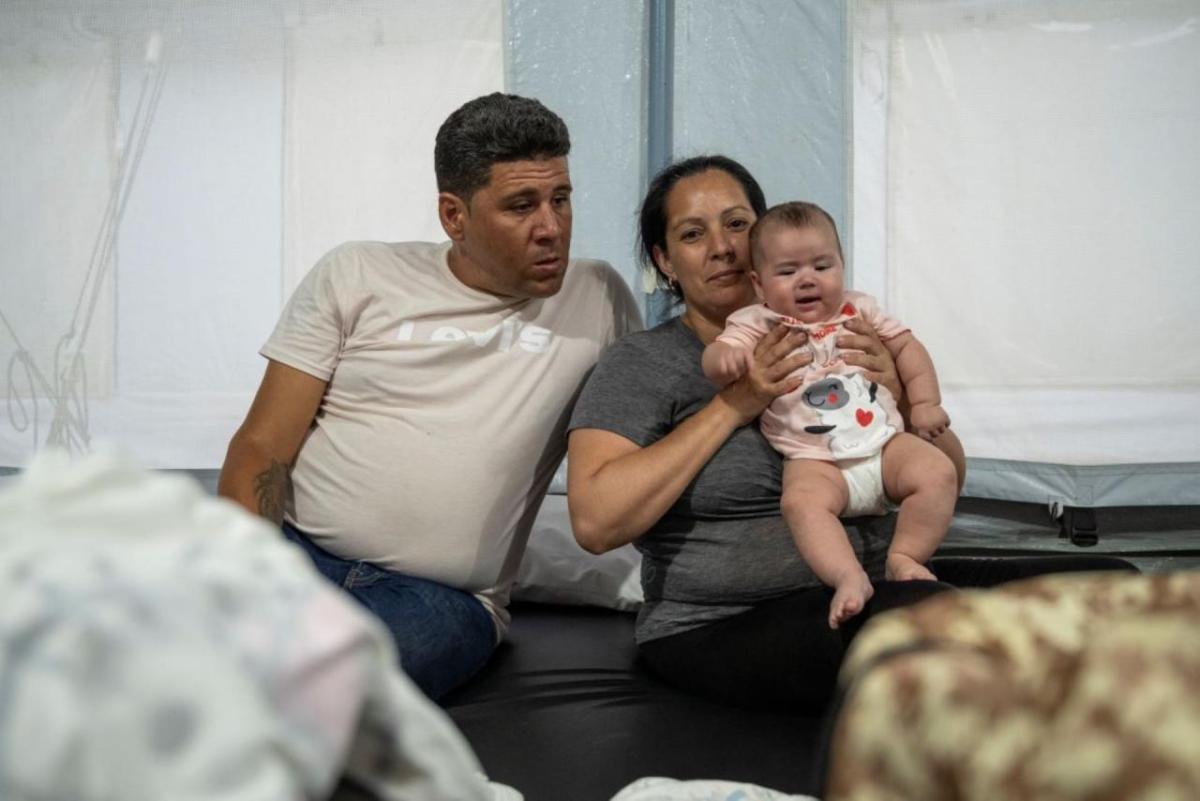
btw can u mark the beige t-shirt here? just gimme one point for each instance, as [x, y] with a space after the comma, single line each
[446, 409]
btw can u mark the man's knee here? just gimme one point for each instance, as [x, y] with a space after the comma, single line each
[443, 635]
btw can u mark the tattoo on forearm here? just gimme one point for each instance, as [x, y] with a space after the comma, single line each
[271, 488]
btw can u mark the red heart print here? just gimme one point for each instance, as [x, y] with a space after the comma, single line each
[848, 309]
[864, 417]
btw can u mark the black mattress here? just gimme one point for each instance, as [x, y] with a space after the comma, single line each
[565, 712]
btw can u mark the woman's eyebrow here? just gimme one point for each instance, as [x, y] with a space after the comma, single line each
[700, 221]
[687, 221]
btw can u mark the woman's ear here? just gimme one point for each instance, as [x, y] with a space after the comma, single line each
[663, 263]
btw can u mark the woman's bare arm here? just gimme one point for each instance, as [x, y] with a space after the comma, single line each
[616, 489]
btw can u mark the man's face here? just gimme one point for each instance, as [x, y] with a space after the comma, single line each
[514, 234]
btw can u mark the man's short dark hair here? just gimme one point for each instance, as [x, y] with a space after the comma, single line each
[492, 129]
[793, 214]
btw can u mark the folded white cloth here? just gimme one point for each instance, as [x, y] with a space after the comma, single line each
[156, 643]
[556, 570]
[659, 789]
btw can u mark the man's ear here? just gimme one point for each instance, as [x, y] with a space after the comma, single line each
[452, 213]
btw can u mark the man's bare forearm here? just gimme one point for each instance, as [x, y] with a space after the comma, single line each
[258, 482]
[258, 464]
[270, 490]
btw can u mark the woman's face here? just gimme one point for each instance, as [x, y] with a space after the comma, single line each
[707, 244]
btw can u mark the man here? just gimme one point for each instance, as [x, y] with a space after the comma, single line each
[414, 403]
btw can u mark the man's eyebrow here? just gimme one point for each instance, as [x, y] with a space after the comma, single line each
[532, 192]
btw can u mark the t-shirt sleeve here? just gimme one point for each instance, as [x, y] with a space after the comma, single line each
[309, 335]
[744, 328]
[624, 395]
[887, 326]
[627, 317]
[621, 313]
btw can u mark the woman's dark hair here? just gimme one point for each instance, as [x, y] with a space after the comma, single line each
[652, 218]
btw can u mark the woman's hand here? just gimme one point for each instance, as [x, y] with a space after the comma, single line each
[775, 358]
[864, 349]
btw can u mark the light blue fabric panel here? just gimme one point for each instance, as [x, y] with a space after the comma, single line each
[765, 83]
[1170, 484]
[586, 61]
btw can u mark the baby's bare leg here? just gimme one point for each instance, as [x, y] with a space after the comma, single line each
[814, 493]
[924, 481]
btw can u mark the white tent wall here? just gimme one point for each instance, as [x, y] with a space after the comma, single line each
[1027, 198]
[285, 126]
[797, 91]
[241, 140]
[63, 116]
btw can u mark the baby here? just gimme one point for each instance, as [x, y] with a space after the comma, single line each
[842, 437]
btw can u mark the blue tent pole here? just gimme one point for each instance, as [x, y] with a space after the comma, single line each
[661, 75]
[660, 105]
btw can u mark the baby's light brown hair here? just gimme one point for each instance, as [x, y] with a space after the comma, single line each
[792, 214]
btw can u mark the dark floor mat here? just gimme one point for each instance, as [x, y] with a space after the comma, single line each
[564, 711]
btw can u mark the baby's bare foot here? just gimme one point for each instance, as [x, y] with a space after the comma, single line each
[850, 595]
[905, 568]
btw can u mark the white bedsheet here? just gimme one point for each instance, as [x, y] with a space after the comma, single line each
[158, 643]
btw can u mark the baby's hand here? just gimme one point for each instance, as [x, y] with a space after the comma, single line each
[928, 420]
[732, 364]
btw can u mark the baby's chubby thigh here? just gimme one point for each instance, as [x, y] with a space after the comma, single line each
[911, 465]
[812, 487]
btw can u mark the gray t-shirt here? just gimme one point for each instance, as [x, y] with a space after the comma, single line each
[723, 546]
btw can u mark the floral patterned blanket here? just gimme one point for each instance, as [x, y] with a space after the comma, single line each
[1073, 687]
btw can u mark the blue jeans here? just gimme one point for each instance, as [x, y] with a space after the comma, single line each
[443, 635]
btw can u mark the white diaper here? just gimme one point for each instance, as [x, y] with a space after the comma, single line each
[864, 481]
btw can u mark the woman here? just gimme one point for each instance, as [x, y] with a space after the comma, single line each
[659, 457]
